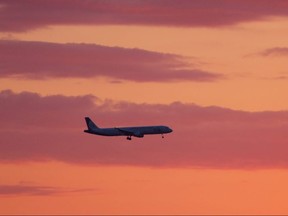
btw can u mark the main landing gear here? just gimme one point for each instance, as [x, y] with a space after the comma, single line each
[162, 136]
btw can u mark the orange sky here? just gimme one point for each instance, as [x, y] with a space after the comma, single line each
[149, 191]
[214, 71]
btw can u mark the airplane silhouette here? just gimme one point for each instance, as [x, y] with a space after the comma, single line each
[139, 131]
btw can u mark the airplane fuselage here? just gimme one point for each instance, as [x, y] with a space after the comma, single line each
[121, 131]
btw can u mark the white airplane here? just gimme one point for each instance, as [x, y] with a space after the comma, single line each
[125, 131]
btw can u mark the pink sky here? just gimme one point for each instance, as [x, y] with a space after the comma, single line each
[213, 71]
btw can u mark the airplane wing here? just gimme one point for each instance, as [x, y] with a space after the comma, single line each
[130, 132]
[125, 131]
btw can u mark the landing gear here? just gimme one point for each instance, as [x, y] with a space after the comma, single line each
[162, 136]
[129, 138]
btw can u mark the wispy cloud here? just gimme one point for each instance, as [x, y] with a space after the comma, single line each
[20, 15]
[40, 60]
[28, 190]
[275, 52]
[210, 137]
[20, 189]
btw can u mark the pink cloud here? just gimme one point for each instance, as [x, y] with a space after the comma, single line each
[26, 15]
[40, 60]
[35, 128]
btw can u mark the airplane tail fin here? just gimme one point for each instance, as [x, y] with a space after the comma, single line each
[90, 124]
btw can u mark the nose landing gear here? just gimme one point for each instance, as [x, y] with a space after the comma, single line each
[129, 138]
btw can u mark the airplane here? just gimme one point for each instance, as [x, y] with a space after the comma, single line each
[125, 131]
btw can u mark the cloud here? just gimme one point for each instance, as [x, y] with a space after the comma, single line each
[40, 60]
[210, 137]
[20, 189]
[27, 190]
[275, 51]
[29, 111]
[27, 15]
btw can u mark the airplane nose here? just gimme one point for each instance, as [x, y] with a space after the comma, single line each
[170, 130]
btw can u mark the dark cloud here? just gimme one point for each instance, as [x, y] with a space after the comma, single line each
[40, 60]
[20, 15]
[211, 137]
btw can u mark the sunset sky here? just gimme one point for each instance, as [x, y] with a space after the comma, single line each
[215, 71]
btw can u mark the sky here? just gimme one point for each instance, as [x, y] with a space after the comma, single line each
[215, 71]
